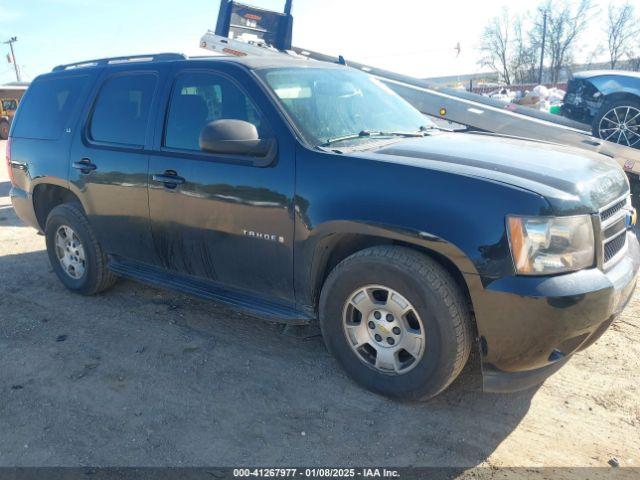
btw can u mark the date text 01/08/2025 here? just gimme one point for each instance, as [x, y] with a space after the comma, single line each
[315, 473]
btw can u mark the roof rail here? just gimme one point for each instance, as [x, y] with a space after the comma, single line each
[153, 57]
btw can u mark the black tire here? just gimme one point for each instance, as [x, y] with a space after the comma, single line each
[96, 277]
[436, 297]
[606, 107]
[4, 129]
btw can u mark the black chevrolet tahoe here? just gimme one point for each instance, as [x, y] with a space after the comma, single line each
[302, 191]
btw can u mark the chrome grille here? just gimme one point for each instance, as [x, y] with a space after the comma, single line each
[611, 211]
[613, 229]
[613, 247]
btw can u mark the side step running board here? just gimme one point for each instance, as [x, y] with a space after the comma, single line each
[240, 300]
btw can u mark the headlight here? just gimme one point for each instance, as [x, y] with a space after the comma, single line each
[547, 245]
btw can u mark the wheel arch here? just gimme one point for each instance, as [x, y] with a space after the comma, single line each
[335, 247]
[47, 196]
[620, 96]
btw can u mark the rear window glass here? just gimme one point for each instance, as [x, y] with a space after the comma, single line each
[47, 107]
[121, 112]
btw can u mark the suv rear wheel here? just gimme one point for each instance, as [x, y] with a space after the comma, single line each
[396, 322]
[74, 252]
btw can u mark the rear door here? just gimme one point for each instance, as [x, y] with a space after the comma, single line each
[110, 161]
[225, 220]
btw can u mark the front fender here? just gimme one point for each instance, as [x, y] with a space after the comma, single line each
[313, 254]
[616, 84]
[324, 237]
[460, 217]
[394, 233]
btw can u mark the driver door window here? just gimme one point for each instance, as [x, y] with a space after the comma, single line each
[200, 98]
[201, 220]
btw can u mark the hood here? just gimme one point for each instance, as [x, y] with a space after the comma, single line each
[573, 181]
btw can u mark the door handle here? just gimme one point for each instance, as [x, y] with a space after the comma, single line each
[85, 166]
[170, 179]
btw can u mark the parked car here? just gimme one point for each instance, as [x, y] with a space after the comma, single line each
[609, 101]
[303, 192]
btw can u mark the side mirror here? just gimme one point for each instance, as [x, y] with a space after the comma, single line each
[237, 137]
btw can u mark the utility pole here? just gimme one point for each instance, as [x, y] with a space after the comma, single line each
[544, 40]
[13, 56]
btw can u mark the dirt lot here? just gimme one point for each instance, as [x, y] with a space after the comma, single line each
[141, 376]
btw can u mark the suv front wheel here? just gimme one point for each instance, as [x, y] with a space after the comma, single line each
[396, 321]
[74, 252]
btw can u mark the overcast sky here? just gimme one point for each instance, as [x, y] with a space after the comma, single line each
[415, 37]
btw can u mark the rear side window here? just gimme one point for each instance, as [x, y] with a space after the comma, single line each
[47, 107]
[121, 111]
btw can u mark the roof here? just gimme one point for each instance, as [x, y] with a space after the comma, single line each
[252, 62]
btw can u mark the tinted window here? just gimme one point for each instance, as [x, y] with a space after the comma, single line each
[47, 106]
[121, 112]
[200, 98]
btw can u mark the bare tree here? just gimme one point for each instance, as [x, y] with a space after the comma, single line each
[495, 46]
[594, 56]
[524, 63]
[622, 31]
[634, 62]
[565, 23]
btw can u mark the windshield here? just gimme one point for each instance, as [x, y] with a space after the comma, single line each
[327, 104]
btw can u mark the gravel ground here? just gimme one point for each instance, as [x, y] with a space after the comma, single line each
[141, 376]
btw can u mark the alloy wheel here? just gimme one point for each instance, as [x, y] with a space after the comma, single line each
[621, 125]
[70, 252]
[384, 329]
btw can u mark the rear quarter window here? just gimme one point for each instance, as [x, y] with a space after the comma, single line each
[47, 106]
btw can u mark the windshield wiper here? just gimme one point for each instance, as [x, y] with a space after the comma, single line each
[351, 136]
[374, 133]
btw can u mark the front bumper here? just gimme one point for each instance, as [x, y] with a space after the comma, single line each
[530, 326]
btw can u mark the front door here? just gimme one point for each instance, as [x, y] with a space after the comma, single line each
[216, 217]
